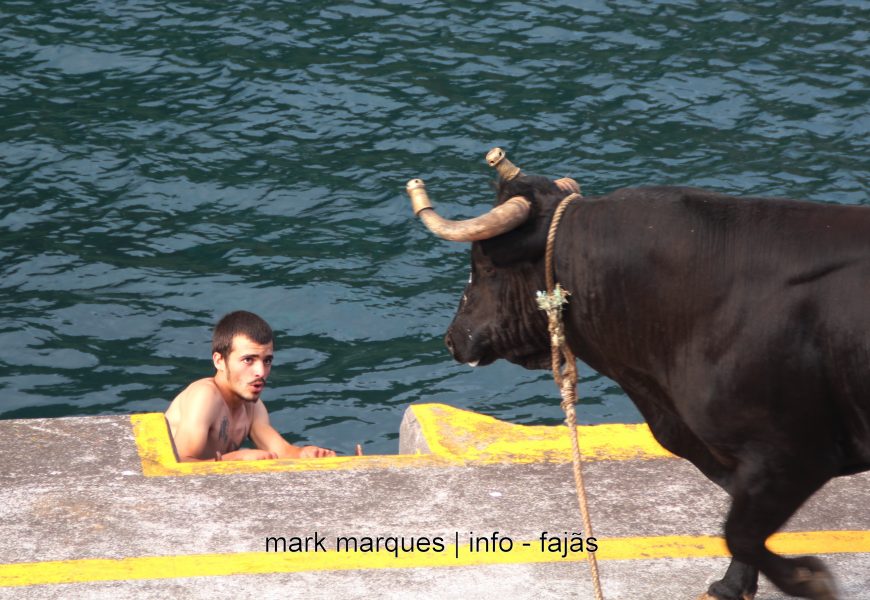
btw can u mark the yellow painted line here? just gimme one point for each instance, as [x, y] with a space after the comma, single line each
[251, 563]
[454, 437]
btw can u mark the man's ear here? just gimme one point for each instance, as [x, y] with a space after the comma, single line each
[218, 361]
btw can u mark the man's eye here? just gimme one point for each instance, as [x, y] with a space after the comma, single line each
[268, 361]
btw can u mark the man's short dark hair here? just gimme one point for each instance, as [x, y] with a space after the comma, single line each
[240, 322]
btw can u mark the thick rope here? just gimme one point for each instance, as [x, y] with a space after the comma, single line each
[566, 379]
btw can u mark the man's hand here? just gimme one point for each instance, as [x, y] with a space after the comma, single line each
[265, 436]
[315, 452]
[249, 454]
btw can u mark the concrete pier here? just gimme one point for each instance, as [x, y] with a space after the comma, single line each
[98, 507]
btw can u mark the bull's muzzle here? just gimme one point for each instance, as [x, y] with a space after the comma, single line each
[501, 219]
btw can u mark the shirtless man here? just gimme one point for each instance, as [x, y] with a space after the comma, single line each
[211, 418]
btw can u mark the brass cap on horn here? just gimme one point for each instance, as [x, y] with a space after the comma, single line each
[497, 159]
[419, 198]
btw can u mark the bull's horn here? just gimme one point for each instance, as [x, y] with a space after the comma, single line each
[501, 219]
[506, 169]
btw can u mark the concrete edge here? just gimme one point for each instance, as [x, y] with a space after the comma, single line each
[451, 432]
[430, 435]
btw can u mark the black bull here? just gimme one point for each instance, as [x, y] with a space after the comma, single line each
[740, 328]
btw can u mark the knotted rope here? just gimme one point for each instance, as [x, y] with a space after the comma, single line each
[552, 302]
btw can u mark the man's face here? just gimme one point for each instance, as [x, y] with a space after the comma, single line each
[246, 368]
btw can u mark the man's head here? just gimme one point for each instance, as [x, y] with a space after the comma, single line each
[240, 322]
[242, 347]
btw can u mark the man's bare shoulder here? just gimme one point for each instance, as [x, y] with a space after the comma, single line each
[204, 386]
[201, 394]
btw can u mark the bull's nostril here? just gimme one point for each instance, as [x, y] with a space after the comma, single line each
[448, 342]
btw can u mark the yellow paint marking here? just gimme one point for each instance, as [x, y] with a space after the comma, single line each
[454, 436]
[158, 457]
[482, 439]
[249, 563]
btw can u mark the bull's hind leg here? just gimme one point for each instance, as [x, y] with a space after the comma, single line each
[765, 495]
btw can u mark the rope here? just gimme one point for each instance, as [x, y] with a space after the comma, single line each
[552, 302]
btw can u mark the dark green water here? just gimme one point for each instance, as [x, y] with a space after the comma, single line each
[164, 163]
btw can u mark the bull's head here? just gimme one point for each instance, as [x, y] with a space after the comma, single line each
[498, 316]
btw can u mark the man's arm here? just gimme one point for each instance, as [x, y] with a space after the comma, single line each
[267, 438]
[197, 413]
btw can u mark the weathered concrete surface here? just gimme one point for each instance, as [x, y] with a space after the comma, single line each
[74, 490]
[412, 439]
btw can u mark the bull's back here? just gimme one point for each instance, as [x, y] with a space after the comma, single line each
[673, 278]
[695, 239]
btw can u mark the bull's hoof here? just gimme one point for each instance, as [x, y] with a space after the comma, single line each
[721, 590]
[811, 579]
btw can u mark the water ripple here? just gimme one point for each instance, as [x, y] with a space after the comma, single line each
[163, 163]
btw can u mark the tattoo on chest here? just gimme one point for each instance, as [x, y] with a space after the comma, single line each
[223, 434]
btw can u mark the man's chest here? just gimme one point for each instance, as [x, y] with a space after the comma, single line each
[231, 431]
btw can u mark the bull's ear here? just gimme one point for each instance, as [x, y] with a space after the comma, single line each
[568, 185]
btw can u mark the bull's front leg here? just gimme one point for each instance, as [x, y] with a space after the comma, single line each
[741, 580]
